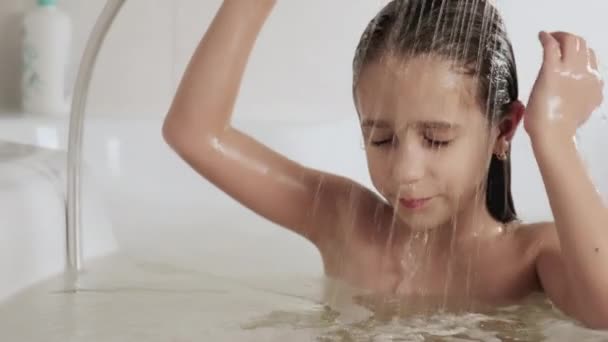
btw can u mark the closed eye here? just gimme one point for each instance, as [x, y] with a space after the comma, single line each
[385, 141]
[434, 143]
[382, 142]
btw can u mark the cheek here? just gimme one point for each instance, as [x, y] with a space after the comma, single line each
[464, 168]
[378, 169]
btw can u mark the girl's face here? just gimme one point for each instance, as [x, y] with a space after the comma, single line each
[427, 141]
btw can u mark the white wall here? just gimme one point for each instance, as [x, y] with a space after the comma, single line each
[152, 40]
[301, 66]
[303, 57]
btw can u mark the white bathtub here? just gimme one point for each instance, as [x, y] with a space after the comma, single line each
[158, 208]
[33, 205]
[148, 207]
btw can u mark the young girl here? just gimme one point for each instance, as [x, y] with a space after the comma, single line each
[436, 92]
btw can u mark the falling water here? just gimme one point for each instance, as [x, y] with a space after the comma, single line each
[459, 38]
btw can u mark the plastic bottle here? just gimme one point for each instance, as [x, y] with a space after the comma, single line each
[46, 50]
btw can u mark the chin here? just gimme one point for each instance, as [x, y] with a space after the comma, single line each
[425, 220]
[422, 222]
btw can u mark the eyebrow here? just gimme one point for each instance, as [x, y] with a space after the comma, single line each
[444, 125]
[375, 123]
[367, 123]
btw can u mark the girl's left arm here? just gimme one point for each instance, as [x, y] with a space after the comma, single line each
[573, 265]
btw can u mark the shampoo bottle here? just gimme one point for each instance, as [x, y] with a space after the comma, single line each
[46, 50]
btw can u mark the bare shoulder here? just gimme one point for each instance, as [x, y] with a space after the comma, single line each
[537, 245]
[539, 236]
[359, 205]
[348, 195]
[359, 209]
[362, 221]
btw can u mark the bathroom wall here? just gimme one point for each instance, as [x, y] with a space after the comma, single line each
[151, 41]
[300, 68]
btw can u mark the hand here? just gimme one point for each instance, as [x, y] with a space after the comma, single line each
[568, 88]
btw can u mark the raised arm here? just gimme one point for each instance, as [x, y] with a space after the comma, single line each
[573, 264]
[198, 128]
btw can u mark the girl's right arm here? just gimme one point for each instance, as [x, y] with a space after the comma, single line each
[198, 129]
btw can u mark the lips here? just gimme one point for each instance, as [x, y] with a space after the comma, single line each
[414, 203]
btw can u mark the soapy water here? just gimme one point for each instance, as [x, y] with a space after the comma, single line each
[121, 300]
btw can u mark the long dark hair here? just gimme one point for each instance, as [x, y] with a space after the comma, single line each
[469, 33]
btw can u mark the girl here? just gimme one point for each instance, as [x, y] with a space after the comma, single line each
[436, 92]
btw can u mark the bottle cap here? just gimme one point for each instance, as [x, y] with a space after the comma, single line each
[47, 2]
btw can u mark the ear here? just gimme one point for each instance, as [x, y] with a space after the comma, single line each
[508, 126]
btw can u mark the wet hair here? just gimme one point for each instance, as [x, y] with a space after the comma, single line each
[471, 35]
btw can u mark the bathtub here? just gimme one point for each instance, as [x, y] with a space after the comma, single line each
[171, 258]
[137, 187]
[33, 203]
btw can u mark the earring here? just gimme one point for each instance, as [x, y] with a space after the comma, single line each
[501, 156]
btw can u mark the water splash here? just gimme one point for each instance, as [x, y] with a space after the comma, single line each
[534, 321]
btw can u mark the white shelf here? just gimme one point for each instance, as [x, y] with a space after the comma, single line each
[43, 131]
[14, 115]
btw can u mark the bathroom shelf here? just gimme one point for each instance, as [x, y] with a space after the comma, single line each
[37, 130]
[15, 115]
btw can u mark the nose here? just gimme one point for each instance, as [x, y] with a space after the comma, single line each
[409, 164]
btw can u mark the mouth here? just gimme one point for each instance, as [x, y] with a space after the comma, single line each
[414, 203]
